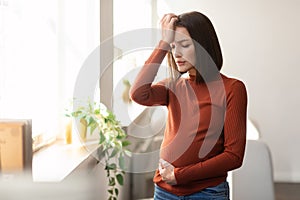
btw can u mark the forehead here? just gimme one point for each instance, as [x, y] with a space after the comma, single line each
[181, 33]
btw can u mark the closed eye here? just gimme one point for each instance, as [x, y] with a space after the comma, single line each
[185, 46]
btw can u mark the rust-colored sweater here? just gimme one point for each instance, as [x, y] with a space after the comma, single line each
[205, 132]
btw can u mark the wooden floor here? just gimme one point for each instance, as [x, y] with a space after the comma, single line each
[287, 191]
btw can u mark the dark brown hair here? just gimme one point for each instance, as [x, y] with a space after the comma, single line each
[209, 58]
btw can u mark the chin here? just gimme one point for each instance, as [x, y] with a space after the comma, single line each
[183, 70]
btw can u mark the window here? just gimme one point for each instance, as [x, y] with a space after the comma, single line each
[43, 44]
[140, 17]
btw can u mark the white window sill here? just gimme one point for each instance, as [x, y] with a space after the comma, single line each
[54, 162]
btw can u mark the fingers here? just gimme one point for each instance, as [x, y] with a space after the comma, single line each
[168, 176]
[166, 171]
[167, 25]
[164, 163]
[168, 21]
[160, 167]
[167, 18]
[164, 174]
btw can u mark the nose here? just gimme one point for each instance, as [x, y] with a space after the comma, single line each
[177, 52]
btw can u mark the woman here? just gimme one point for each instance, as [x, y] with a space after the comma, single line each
[205, 131]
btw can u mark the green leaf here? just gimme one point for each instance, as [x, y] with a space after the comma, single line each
[120, 179]
[122, 162]
[125, 143]
[102, 138]
[128, 153]
[117, 144]
[116, 191]
[112, 181]
[91, 121]
[106, 120]
[97, 111]
[108, 172]
[76, 113]
[120, 136]
[110, 191]
[105, 149]
[115, 151]
[93, 127]
[112, 166]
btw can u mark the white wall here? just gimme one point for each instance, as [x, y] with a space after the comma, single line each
[260, 43]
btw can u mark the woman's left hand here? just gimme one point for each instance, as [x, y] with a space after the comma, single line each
[166, 170]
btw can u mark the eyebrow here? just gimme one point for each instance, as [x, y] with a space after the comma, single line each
[183, 40]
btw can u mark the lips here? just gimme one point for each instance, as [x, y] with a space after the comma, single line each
[180, 63]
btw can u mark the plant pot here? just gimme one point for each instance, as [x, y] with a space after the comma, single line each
[83, 129]
[68, 132]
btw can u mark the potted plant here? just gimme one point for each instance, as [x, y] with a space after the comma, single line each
[96, 118]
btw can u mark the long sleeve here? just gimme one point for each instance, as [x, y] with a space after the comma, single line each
[234, 141]
[143, 91]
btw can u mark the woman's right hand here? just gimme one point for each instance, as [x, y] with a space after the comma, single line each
[166, 171]
[167, 25]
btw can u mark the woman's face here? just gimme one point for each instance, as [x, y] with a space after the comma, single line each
[183, 50]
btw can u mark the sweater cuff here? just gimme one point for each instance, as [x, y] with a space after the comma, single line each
[164, 45]
[180, 176]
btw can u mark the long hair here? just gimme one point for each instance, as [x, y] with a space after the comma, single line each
[209, 58]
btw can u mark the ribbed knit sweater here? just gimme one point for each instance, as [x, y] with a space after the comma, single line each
[205, 132]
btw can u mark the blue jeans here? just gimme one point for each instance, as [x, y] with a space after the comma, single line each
[219, 192]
